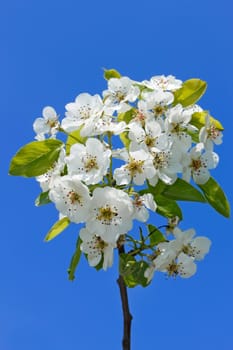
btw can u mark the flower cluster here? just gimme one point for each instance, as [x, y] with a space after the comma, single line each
[177, 256]
[122, 146]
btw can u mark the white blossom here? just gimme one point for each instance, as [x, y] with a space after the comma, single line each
[167, 253]
[102, 125]
[147, 136]
[141, 204]
[210, 135]
[185, 266]
[96, 248]
[120, 91]
[47, 124]
[158, 101]
[163, 82]
[71, 198]
[177, 257]
[178, 117]
[165, 256]
[46, 180]
[89, 162]
[110, 213]
[195, 247]
[82, 112]
[138, 169]
[197, 164]
[167, 164]
[173, 265]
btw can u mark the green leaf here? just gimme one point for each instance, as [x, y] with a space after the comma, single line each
[183, 191]
[157, 189]
[190, 92]
[143, 88]
[35, 158]
[216, 197]
[74, 137]
[127, 116]
[75, 260]
[124, 139]
[155, 235]
[57, 228]
[154, 190]
[132, 271]
[199, 120]
[42, 199]
[167, 207]
[194, 135]
[111, 73]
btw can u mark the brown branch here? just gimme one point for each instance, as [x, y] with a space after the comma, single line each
[127, 317]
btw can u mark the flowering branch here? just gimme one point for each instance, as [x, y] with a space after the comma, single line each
[129, 156]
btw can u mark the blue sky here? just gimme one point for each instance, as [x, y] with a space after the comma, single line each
[52, 51]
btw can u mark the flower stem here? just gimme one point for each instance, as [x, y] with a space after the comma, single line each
[127, 317]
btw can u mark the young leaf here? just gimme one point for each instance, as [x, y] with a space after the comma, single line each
[42, 199]
[216, 197]
[194, 135]
[126, 262]
[124, 139]
[57, 228]
[111, 73]
[127, 116]
[183, 191]
[190, 92]
[74, 137]
[137, 276]
[75, 260]
[132, 271]
[155, 235]
[35, 158]
[199, 120]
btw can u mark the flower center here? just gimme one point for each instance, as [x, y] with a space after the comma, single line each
[176, 128]
[100, 244]
[159, 110]
[74, 197]
[91, 163]
[119, 95]
[213, 133]
[85, 111]
[52, 123]
[106, 214]
[149, 141]
[135, 166]
[138, 202]
[172, 269]
[186, 249]
[196, 164]
[160, 160]
[191, 251]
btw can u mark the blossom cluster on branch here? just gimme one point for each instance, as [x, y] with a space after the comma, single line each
[130, 154]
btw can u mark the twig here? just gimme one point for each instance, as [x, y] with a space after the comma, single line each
[127, 317]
